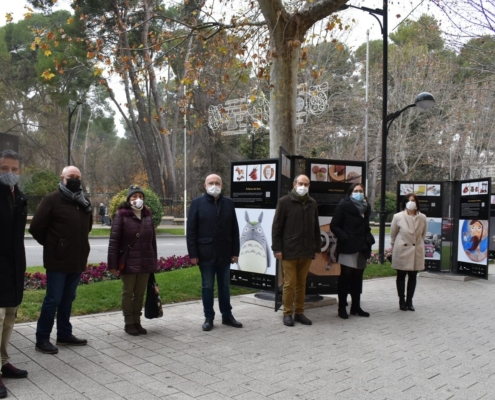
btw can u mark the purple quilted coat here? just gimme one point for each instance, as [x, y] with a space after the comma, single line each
[142, 255]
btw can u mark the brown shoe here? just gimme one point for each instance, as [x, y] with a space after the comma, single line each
[140, 329]
[131, 330]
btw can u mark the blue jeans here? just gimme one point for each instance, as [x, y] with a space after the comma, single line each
[60, 293]
[223, 283]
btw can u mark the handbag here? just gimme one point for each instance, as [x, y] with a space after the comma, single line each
[153, 304]
[125, 253]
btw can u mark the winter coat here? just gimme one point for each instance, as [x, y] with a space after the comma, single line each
[407, 236]
[352, 229]
[212, 230]
[296, 228]
[62, 227]
[13, 215]
[142, 256]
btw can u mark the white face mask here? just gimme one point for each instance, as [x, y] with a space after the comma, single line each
[213, 190]
[411, 205]
[137, 204]
[302, 190]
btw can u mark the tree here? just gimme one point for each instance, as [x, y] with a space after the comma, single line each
[41, 183]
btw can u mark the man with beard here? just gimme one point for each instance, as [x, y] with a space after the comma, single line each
[61, 224]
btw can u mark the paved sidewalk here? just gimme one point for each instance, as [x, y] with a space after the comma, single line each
[444, 350]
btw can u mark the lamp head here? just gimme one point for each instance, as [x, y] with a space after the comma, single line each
[425, 101]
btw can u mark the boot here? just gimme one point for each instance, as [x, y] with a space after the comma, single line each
[401, 287]
[411, 287]
[131, 330]
[140, 329]
[342, 292]
[356, 300]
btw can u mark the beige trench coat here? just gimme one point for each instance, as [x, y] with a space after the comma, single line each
[407, 236]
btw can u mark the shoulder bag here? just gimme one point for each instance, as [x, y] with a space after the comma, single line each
[153, 304]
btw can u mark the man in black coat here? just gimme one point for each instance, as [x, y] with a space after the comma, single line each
[13, 213]
[213, 244]
[61, 224]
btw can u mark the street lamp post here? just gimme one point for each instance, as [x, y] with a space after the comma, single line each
[71, 112]
[384, 28]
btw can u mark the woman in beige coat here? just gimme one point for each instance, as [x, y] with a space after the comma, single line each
[407, 236]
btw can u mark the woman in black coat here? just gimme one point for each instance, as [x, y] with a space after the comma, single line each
[351, 225]
[133, 229]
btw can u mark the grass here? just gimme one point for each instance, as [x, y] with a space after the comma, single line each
[376, 230]
[175, 287]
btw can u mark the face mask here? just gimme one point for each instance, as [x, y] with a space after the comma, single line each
[73, 184]
[213, 190]
[358, 196]
[302, 190]
[138, 203]
[411, 205]
[9, 178]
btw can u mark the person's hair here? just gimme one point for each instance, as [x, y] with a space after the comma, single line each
[353, 186]
[297, 177]
[405, 199]
[10, 154]
[213, 174]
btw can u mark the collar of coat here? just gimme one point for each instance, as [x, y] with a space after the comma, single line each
[127, 212]
[349, 206]
[211, 198]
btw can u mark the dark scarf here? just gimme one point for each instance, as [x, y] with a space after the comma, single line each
[77, 197]
[302, 199]
[360, 205]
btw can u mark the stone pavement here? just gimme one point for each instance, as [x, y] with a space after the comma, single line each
[444, 350]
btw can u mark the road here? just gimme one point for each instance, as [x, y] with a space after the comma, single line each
[167, 246]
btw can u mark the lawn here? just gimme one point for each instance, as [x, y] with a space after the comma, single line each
[106, 231]
[175, 286]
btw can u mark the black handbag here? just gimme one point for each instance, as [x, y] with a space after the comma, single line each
[153, 304]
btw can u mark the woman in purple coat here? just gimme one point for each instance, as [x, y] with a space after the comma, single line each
[133, 229]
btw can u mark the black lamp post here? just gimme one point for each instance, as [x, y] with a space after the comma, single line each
[384, 28]
[71, 112]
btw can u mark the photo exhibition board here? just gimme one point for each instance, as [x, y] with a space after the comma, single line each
[429, 196]
[329, 182]
[254, 190]
[491, 247]
[474, 209]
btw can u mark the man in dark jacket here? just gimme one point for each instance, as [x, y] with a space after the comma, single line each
[213, 244]
[13, 212]
[101, 213]
[295, 240]
[61, 224]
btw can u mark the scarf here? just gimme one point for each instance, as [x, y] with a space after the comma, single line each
[302, 199]
[77, 197]
[360, 205]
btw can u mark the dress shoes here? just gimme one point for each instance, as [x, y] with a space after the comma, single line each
[208, 325]
[358, 311]
[72, 341]
[231, 321]
[288, 321]
[302, 319]
[3, 390]
[343, 313]
[9, 371]
[46, 348]
[410, 306]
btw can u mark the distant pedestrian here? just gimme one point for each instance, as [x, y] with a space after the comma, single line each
[133, 232]
[351, 225]
[61, 224]
[295, 241]
[13, 213]
[213, 243]
[407, 237]
[101, 213]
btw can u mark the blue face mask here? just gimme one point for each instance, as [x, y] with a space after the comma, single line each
[358, 196]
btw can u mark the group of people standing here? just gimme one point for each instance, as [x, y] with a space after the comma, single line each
[63, 220]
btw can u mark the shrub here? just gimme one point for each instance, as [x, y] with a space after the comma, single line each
[41, 183]
[151, 201]
[390, 205]
[374, 256]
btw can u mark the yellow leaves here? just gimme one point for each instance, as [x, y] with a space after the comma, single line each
[97, 71]
[252, 98]
[48, 53]
[47, 75]
[8, 17]
[70, 21]
[339, 47]
[50, 36]
[330, 26]
[27, 15]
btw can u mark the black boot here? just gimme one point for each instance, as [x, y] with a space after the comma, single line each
[401, 288]
[356, 299]
[343, 289]
[411, 287]
[342, 307]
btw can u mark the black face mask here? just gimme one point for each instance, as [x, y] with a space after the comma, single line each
[73, 184]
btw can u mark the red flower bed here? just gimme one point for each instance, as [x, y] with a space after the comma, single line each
[98, 273]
